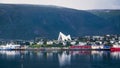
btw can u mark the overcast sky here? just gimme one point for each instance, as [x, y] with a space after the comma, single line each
[76, 4]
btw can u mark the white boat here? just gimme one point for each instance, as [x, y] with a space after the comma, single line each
[97, 46]
[9, 47]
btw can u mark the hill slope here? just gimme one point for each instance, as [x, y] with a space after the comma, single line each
[113, 16]
[30, 21]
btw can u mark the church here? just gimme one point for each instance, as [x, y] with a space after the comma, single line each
[63, 37]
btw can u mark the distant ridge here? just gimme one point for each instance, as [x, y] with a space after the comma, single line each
[30, 21]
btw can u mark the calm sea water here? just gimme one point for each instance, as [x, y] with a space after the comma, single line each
[59, 59]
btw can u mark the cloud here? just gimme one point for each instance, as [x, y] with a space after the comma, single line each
[107, 4]
[77, 4]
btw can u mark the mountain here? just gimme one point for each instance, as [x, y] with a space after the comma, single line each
[30, 21]
[113, 16]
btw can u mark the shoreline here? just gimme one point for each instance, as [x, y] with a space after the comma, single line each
[54, 49]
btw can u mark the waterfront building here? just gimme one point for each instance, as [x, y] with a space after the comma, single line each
[31, 42]
[49, 42]
[40, 43]
[112, 42]
[97, 37]
[72, 42]
[82, 43]
[63, 37]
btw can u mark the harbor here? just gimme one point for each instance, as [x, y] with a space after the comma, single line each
[65, 42]
[59, 33]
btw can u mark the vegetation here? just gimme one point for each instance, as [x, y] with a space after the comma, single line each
[47, 45]
[30, 21]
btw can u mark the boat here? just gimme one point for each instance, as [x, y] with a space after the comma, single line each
[90, 47]
[80, 47]
[9, 47]
[115, 47]
[97, 47]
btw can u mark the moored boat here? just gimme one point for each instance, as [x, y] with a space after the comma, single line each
[96, 47]
[115, 47]
[90, 47]
[9, 47]
[80, 47]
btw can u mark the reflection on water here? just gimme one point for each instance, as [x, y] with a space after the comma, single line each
[115, 55]
[53, 59]
[97, 55]
[9, 54]
[64, 59]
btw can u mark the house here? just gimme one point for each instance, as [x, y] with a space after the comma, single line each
[49, 42]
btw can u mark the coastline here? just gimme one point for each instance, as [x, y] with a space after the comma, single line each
[56, 49]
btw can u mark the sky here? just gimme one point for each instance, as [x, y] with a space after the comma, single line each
[76, 4]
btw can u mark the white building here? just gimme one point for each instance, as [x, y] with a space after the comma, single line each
[63, 37]
[49, 42]
[73, 42]
[40, 43]
[82, 43]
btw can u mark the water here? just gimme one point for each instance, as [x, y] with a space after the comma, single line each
[59, 59]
